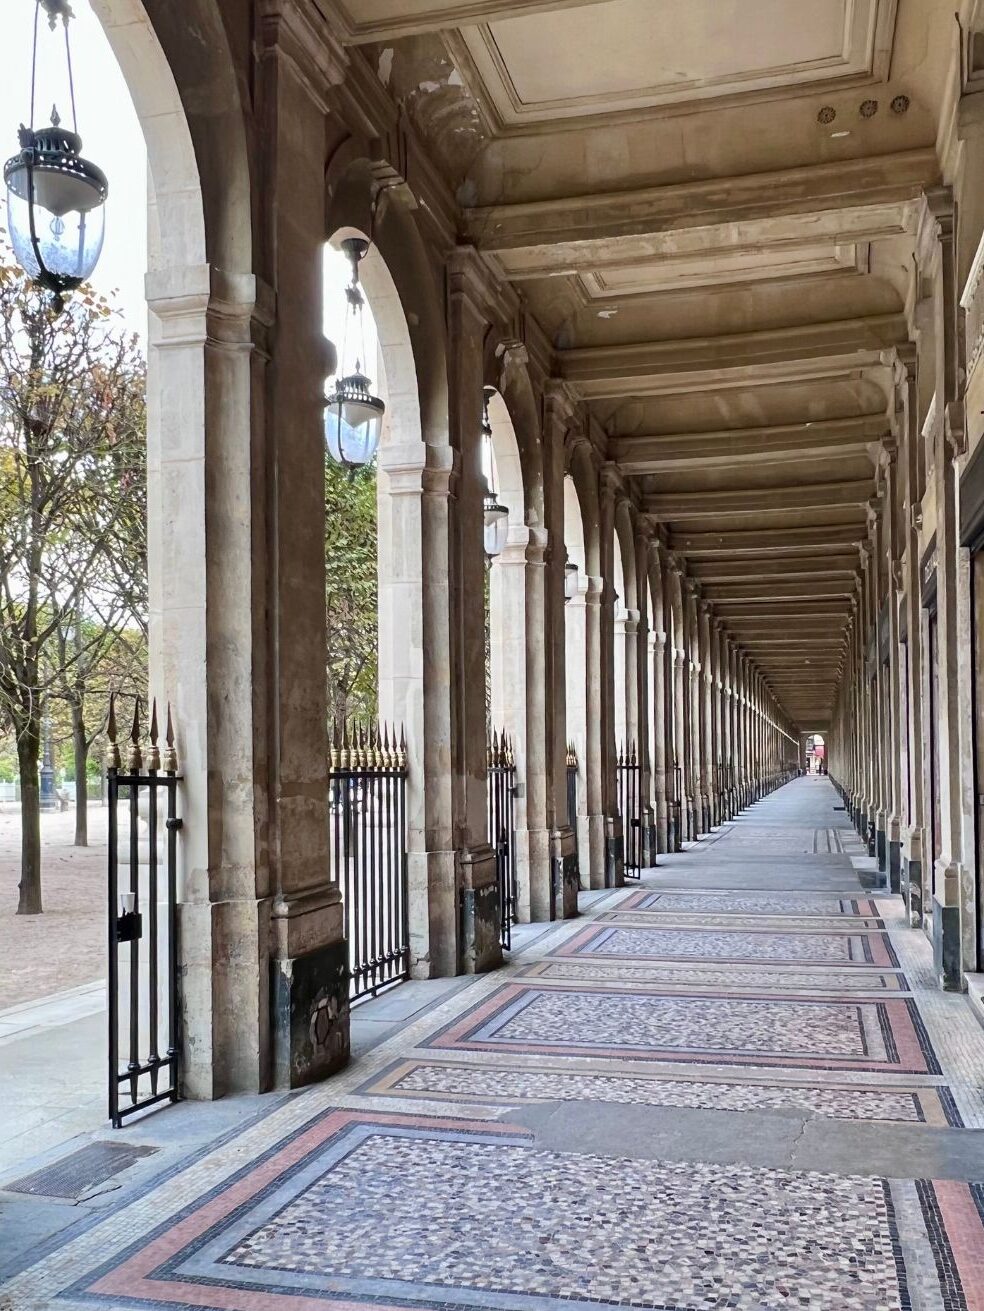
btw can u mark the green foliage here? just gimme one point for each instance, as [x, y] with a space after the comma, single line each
[351, 592]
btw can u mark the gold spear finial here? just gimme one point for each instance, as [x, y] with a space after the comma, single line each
[402, 761]
[112, 749]
[153, 752]
[170, 756]
[333, 752]
[134, 756]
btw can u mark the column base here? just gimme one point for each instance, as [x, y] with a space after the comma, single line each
[674, 833]
[946, 946]
[566, 881]
[615, 861]
[310, 1015]
[881, 850]
[650, 845]
[481, 950]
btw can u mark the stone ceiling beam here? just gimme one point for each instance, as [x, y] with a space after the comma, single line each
[790, 442]
[851, 200]
[808, 353]
[766, 569]
[764, 541]
[400, 19]
[678, 506]
[751, 592]
[738, 612]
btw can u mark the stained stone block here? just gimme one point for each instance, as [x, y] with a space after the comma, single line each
[310, 1015]
[912, 889]
[881, 850]
[895, 866]
[480, 947]
[946, 945]
[615, 861]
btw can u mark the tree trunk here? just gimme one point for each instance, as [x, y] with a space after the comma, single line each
[81, 750]
[28, 760]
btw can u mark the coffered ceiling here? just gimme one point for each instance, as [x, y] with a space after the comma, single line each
[710, 208]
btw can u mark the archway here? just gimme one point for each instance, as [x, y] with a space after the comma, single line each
[413, 469]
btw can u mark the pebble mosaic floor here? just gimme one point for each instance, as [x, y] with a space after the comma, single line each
[601, 1123]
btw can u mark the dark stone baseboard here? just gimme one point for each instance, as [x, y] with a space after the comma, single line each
[310, 1016]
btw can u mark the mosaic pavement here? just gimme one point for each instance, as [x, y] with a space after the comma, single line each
[688, 1100]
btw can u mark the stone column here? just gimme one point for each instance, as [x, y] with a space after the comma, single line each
[949, 869]
[679, 673]
[706, 715]
[644, 710]
[894, 729]
[913, 831]
[660, 653]
[206, 545]
[478, 946]
[694, 808]
[596, 756]
[557, 417]
[614, 863]
[308, 979]
[519, 687]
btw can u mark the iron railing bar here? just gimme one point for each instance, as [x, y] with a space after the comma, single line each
[152, 966]
[134, 1061]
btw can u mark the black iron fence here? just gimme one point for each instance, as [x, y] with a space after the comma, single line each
[502, 829]
[144, 1048]
[628, 781]
[367, 797]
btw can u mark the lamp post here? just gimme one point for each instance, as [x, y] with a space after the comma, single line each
[56, 199]
[49, 798]
[496, 514]
[353, 414]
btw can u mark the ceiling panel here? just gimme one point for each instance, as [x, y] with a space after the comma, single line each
[636, 54]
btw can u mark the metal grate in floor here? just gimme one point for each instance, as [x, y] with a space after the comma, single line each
[76, 1174]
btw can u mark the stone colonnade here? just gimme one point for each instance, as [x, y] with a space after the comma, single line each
[264, 142]
[905, 743]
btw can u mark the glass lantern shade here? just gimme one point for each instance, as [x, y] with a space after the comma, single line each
[570, 581]
[496, 527]
[353, 422]
[56, 208]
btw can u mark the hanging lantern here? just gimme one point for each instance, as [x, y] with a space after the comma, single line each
[496, 514]
[56, 199]
[353, 415]
[570, 581]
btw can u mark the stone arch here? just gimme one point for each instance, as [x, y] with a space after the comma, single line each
[413, 470]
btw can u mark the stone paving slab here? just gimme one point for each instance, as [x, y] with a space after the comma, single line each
[720, 1114]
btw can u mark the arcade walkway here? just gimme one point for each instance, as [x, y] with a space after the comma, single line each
[733, 1086]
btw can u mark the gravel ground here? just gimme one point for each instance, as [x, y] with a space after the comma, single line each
[64, 947]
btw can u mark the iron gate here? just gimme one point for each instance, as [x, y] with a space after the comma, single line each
[502, 830]
[629, 792]
[367, 777]
[142, 920]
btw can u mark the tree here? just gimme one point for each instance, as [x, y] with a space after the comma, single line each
[351, 591]
[72, 443]
[95, 658]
